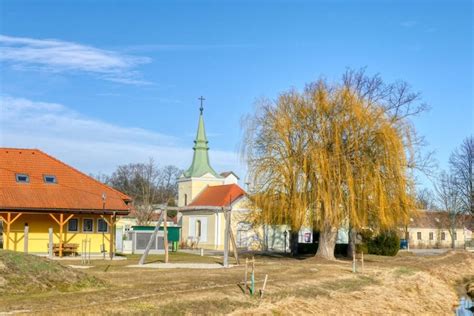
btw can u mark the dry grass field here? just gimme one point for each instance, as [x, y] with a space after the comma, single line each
[406, 284]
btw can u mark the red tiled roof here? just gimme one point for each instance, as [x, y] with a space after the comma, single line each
[73, 191]
[219, 195]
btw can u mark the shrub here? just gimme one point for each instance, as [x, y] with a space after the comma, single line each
[384, 244]
[362, 248]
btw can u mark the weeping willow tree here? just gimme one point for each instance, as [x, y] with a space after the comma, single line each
[329, 157]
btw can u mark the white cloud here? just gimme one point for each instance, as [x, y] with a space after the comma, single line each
[409, 23]
[92, 145]
[59, 56]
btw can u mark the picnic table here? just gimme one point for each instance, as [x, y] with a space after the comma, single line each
[70, 249]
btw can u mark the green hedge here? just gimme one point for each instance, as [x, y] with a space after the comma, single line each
[384, 244]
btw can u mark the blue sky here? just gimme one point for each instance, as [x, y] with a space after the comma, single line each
[99, 84]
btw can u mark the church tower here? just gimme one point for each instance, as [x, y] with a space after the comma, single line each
[200, 174]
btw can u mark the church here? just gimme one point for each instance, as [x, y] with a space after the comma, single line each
[204, 194]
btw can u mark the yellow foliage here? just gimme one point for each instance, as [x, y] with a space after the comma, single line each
[326, 156]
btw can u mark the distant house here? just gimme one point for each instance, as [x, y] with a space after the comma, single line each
[430, 229]
[41, 192]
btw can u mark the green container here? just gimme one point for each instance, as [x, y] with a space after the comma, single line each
[173, 231]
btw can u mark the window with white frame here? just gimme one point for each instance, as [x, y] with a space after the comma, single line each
[431, 236]
[418, 235]
[22, 178]
[73, 225]
[50, 179]
[443, 236]
[102, 226]
[87, 225]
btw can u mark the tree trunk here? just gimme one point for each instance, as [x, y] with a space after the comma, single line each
[327, 243]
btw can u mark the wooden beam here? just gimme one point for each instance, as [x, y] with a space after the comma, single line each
[53, 217]
[67, 219]
[105, 219]
[15, 218]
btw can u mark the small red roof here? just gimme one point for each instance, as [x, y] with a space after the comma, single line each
[73, 191]
[219, 195]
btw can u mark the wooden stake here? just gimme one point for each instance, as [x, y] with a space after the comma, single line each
[264, 285]
[246, 272]
[252, 277]
[165, 231]
[354, 269]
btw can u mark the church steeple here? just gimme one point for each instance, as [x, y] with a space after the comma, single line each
[200, 165]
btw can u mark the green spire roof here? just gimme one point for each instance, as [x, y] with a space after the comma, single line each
[200, 165]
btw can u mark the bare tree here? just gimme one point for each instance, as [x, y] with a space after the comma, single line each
[450, 200]
[425, 199]
[462, 166]
[148, 185]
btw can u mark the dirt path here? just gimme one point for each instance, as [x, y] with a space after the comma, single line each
[407, 285]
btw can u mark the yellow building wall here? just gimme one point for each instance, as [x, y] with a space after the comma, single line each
[38, 235]
[437, 242]
[211, 233]
[193, 187]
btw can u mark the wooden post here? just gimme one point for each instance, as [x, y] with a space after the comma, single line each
[50, 245]
[8, 230]
[234, 245]
[150, 241]
[354, 269]
[9, 221]
[61, 220]
[61, 223]
[25, 239]
[264, 285]
[112, 236]
[252, 277]
[226, 239]
[165, 231]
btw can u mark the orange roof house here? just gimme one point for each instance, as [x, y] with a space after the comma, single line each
[39, 191]
[218, 196]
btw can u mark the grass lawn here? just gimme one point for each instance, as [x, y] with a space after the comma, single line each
[405, 284]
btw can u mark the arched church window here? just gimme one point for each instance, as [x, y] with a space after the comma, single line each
[198, 228]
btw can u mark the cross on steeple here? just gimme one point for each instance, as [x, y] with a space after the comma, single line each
[201, 99]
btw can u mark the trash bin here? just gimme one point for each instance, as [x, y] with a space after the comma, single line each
[403, 244]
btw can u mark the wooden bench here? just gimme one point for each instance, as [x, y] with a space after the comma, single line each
[70, 249]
